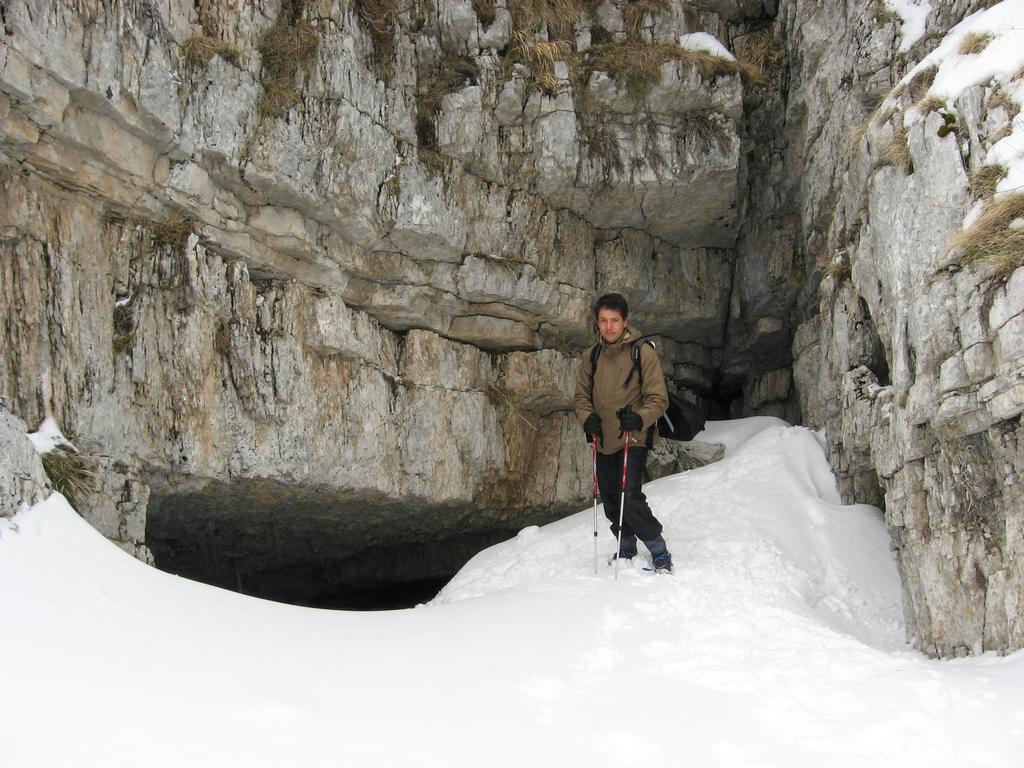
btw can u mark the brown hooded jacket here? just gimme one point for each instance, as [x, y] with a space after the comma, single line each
[604, 394]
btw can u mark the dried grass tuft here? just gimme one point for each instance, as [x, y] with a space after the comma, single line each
[638, 65]
[1001, 99]
[896, 150]
[558, 16]
[452, 73]
[197, 51]
[286, 48]
[548, 84]
[857, 134]
[975, 42]
[600, 36]
[71, 472]
[996, 236]
[174, 231]
[701, 133]
[837, 269]
[541, 55]
[985, 180]
[759, 55]
[930, 104]
[379, 18]
[602, 146]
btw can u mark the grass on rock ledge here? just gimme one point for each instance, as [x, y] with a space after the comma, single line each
[557, 15]
[72, 473]
[198, 51]
[638, 64]
[985, 180]
[974, 43]
[996, 236]
[759, 55]
[174, 230]
[896, 150]
[287, 47]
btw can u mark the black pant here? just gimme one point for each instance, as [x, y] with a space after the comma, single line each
[637, 520]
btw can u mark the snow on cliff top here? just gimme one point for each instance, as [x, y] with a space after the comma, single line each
[999, 64]
[776, 642]
[48, 437]
[705, 43]
[913, 15]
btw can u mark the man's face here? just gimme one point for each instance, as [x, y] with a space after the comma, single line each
[611, 324]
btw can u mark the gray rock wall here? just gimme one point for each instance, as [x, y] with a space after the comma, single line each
[897, 356]
[481, 230]
[343, 282]
[203, 375]
[22, 479]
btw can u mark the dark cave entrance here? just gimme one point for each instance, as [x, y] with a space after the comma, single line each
[310, 548]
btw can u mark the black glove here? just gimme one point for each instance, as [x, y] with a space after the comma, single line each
[629, 421]
[592, 426]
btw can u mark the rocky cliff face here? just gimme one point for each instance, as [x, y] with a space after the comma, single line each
[311, 278]
[911, 357]
[23, 481]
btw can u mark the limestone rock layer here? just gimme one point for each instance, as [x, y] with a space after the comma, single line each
[909, 356]
[312, 278]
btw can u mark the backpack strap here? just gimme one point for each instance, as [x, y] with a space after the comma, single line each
[634, 353]
[595, 352]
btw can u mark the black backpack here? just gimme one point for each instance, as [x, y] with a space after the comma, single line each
[682, 420]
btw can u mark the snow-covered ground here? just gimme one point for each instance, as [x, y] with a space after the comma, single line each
[777, 642]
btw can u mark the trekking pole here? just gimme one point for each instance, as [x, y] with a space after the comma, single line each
[622, 504]
[595, 504]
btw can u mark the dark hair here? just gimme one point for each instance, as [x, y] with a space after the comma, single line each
[614, 301]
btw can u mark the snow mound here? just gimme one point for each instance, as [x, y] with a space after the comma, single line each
[702, 42]
[761, 533]
[776, 642]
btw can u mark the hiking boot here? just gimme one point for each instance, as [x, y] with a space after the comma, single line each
[627, 548]
[662, 563]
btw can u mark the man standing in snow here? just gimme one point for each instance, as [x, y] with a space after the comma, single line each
[612, 399]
